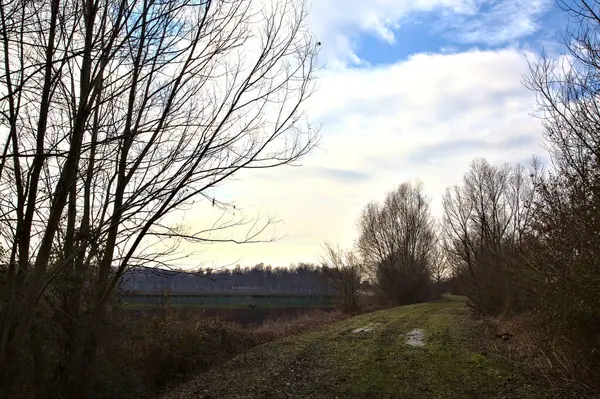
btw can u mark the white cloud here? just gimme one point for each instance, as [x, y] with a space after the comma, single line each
[426, 117]
[339, 23]
[505, 21]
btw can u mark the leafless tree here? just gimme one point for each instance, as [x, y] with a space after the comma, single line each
[440, 269]
[567, 91]
[566, 260]
[486, 219]
[344, 271]
[115, 114]
[397, 239]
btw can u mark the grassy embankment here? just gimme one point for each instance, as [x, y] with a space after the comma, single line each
[336, 362]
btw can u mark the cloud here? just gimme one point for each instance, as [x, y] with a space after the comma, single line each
[340, 23]
[436, 151]
[502, 22]
[425, 117]
[341, 175]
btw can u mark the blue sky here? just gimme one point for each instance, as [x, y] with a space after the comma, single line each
[409, 89]
[431, 33]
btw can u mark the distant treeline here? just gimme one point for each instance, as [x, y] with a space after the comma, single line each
[303, 277]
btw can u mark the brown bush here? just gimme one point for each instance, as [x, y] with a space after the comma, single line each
[276, 328]
[529, 344]
[344, 270]
[151, 353]
[370, 302]
[567, 280]
[566, 261]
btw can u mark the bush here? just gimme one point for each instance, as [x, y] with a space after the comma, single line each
[149, 353]
[154, 352]
[344, 271]
[567, 280]
[567, 260]
[273, 329]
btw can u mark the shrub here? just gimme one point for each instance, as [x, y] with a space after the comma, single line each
[151, 353]
[273, 329]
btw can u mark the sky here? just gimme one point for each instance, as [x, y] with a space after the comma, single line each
[408, 89]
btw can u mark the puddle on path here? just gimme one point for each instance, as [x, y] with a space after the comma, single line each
[366, 328]
[415, 337]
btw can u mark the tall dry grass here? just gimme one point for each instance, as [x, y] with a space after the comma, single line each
[530, 345]
[148, 354]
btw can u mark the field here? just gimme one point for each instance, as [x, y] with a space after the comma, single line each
[243, 308]
[238, 314]
[368, 357]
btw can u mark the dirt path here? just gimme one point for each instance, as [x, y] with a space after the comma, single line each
[368, 357]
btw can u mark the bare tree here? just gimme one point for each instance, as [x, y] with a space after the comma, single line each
[567, 258]
[115, 115]
[344, 271]
[397, 240]
[567, 91]
[440, 269]
[486, 220]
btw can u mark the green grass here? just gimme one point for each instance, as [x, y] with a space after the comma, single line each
[335, 362]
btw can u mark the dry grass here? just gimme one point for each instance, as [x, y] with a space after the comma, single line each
[532, 346]
[523, 339]
[286, 326]
[371, 302]
[149, 354]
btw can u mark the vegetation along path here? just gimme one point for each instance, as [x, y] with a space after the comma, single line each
[368, 357]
